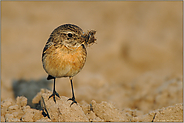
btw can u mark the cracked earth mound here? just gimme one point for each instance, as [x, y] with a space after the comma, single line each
[93, 112]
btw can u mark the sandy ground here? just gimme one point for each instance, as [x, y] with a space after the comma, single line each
[132, 73]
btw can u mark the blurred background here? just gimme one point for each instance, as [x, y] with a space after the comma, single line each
[136, 62]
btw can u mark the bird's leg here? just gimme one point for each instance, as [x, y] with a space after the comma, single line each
[54, 92]
[73, 96]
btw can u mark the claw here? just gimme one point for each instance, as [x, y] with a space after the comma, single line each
[57, 95]
[73, 101]
[53, 95]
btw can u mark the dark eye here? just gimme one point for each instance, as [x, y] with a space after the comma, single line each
[69, 35]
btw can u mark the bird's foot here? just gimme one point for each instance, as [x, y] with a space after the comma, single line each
[73, 101]
[53, 95]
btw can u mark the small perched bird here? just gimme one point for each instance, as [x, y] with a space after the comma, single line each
[64, 54]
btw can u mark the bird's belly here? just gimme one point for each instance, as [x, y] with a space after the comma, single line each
[65, 63]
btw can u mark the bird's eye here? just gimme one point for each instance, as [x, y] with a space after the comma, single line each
[69, 35]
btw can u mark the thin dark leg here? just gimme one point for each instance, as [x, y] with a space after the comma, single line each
[73, 96]
[54, 93]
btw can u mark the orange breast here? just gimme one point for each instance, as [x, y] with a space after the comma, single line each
[64, 62]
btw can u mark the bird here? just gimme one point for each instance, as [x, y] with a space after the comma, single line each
[64, 54]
